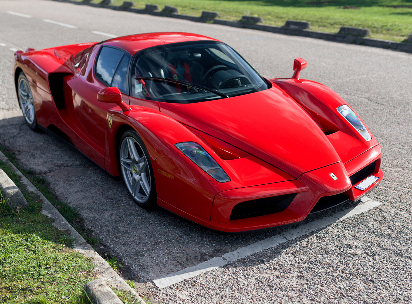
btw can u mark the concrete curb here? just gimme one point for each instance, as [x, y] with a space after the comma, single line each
[251, 19]
[100, 293]
[151, 8]
[354, 31]
[104, 272]
[127, 4]
[170, 9]
[335, 37]
[209, 15]
[302, 25]
[11, 193]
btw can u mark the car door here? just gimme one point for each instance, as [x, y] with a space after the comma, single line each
[110, 69]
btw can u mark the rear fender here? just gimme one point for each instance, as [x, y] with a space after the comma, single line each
[46, 71]
[37, 65]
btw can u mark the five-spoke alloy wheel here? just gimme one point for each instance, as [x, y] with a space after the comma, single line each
[137, 170]
[26, 101]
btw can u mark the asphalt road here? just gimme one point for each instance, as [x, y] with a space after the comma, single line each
[363, 257]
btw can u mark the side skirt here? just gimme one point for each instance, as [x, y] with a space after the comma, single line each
[64, 138]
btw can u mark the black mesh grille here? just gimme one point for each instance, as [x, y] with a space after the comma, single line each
[363, 173]
[329, 202]
[263, 206]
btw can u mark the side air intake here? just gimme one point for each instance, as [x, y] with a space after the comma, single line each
[56, 83]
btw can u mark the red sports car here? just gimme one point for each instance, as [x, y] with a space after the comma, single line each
[193, 128]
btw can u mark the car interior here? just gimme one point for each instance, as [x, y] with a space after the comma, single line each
[191, 68]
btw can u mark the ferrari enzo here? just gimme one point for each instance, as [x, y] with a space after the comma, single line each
[193, 128]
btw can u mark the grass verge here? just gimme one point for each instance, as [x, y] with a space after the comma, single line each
[127, 297]
[67, 211]
[386, 19]
[36, 262]
[71, 215]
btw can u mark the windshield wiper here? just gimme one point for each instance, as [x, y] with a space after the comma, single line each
[187, 84]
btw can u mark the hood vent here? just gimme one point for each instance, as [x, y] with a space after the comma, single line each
[327, 127]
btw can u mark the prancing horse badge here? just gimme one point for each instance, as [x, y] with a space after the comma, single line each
[333, 176]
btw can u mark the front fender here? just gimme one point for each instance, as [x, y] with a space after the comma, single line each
[321, 103]
[174, 173]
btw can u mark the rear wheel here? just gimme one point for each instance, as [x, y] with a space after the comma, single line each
[26, 101]
[137, 170]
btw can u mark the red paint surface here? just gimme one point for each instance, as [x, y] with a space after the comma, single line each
[287, 139]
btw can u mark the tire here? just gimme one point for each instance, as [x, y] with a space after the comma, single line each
[26, 101]
[137, 171]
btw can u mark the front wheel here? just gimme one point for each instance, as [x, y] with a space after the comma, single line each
[137, 170]
[26, 101]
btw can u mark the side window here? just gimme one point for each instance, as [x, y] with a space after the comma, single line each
[107, 63]
[120, 77]
[140, 89]
[142, 68]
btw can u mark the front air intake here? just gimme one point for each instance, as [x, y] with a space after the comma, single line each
[262, 206]
[327, 202]
[363, 173]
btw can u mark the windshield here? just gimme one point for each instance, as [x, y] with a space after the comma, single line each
[213, 68]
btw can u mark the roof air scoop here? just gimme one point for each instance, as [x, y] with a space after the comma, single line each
[298, 65]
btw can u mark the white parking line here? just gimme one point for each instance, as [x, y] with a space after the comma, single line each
[13, 49]
[272, 242]
[2, 44]
[59, 23]
[20, 15]
[104, 34]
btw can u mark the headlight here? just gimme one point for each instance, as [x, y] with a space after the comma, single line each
[354, 120]
[200, 157]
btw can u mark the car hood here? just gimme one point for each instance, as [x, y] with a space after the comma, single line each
[268, 124]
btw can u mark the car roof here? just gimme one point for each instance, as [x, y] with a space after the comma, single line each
[135, 43]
